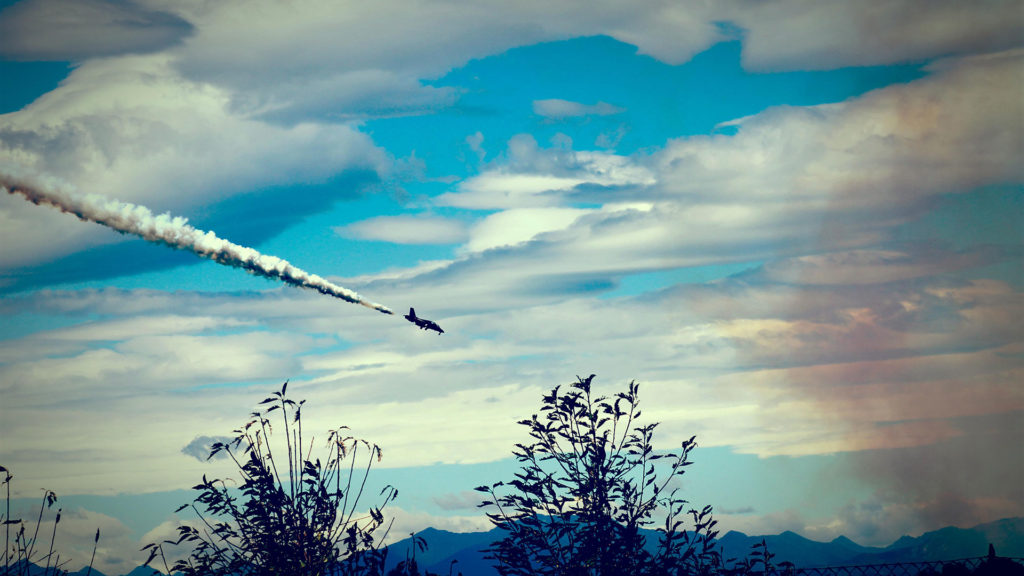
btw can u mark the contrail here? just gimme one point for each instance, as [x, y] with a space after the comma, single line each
[174, 231]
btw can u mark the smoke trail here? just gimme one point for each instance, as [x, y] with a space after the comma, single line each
[175, 232]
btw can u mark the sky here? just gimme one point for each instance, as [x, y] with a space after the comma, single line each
[798, 225]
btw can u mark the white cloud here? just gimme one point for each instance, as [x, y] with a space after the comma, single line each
[125, 328]
[407, 230]
[305, 42]
[168, 530]
[475, 142]
[556, 109]
[392, 46]
[829, 178]
[510, 227]
[183, 127]
[76, 532]
[497, 190]
[532, 177]
[132, 129]
[841, 369]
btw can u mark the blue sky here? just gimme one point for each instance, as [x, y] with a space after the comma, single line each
[799, 229]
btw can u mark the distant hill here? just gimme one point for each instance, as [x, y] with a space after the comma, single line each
[949, 543]
[34, 570]
[95, 572]
[442, 548]
[140, 571]
[1007, 535]
[792, 547]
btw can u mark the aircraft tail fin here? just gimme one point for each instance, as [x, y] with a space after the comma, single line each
[412, 312]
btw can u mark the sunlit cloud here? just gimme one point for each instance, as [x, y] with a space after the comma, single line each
[407, 230]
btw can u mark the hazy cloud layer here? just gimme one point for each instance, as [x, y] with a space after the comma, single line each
[802, 34]
[78, 30]
[844, 369]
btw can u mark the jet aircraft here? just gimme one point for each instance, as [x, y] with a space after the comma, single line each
[423, 322]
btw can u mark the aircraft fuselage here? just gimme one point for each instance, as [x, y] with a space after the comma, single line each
[423, 323]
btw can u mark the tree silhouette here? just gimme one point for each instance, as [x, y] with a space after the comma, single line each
[590, 480]
[20, 557]
[410, 567]
[299, 517]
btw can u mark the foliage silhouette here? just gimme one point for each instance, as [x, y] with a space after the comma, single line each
[20, 557]
[299, 518]
[589, 482]
[759, 555]
[409, 566]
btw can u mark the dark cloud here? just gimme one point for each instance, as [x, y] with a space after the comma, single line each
[963, 481]
[896, 264]
[793, 35]
[983, 461]
[741, 510]
[75, 30]
[67, 145]
[200, 447]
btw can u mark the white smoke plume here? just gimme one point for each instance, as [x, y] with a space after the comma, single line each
[174, 231]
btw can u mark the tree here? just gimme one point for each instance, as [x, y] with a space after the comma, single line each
[298, 517]
[590, 480]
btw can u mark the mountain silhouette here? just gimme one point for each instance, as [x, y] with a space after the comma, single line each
[1007, 535]
[443, 547]
[792, 547]
[950, 543]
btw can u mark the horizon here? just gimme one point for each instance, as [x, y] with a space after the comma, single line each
[863, 554]
[800, 231]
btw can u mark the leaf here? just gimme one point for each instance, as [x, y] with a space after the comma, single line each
[152, 555]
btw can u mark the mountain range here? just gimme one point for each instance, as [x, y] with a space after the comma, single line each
[460, 551]
[950, 543]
